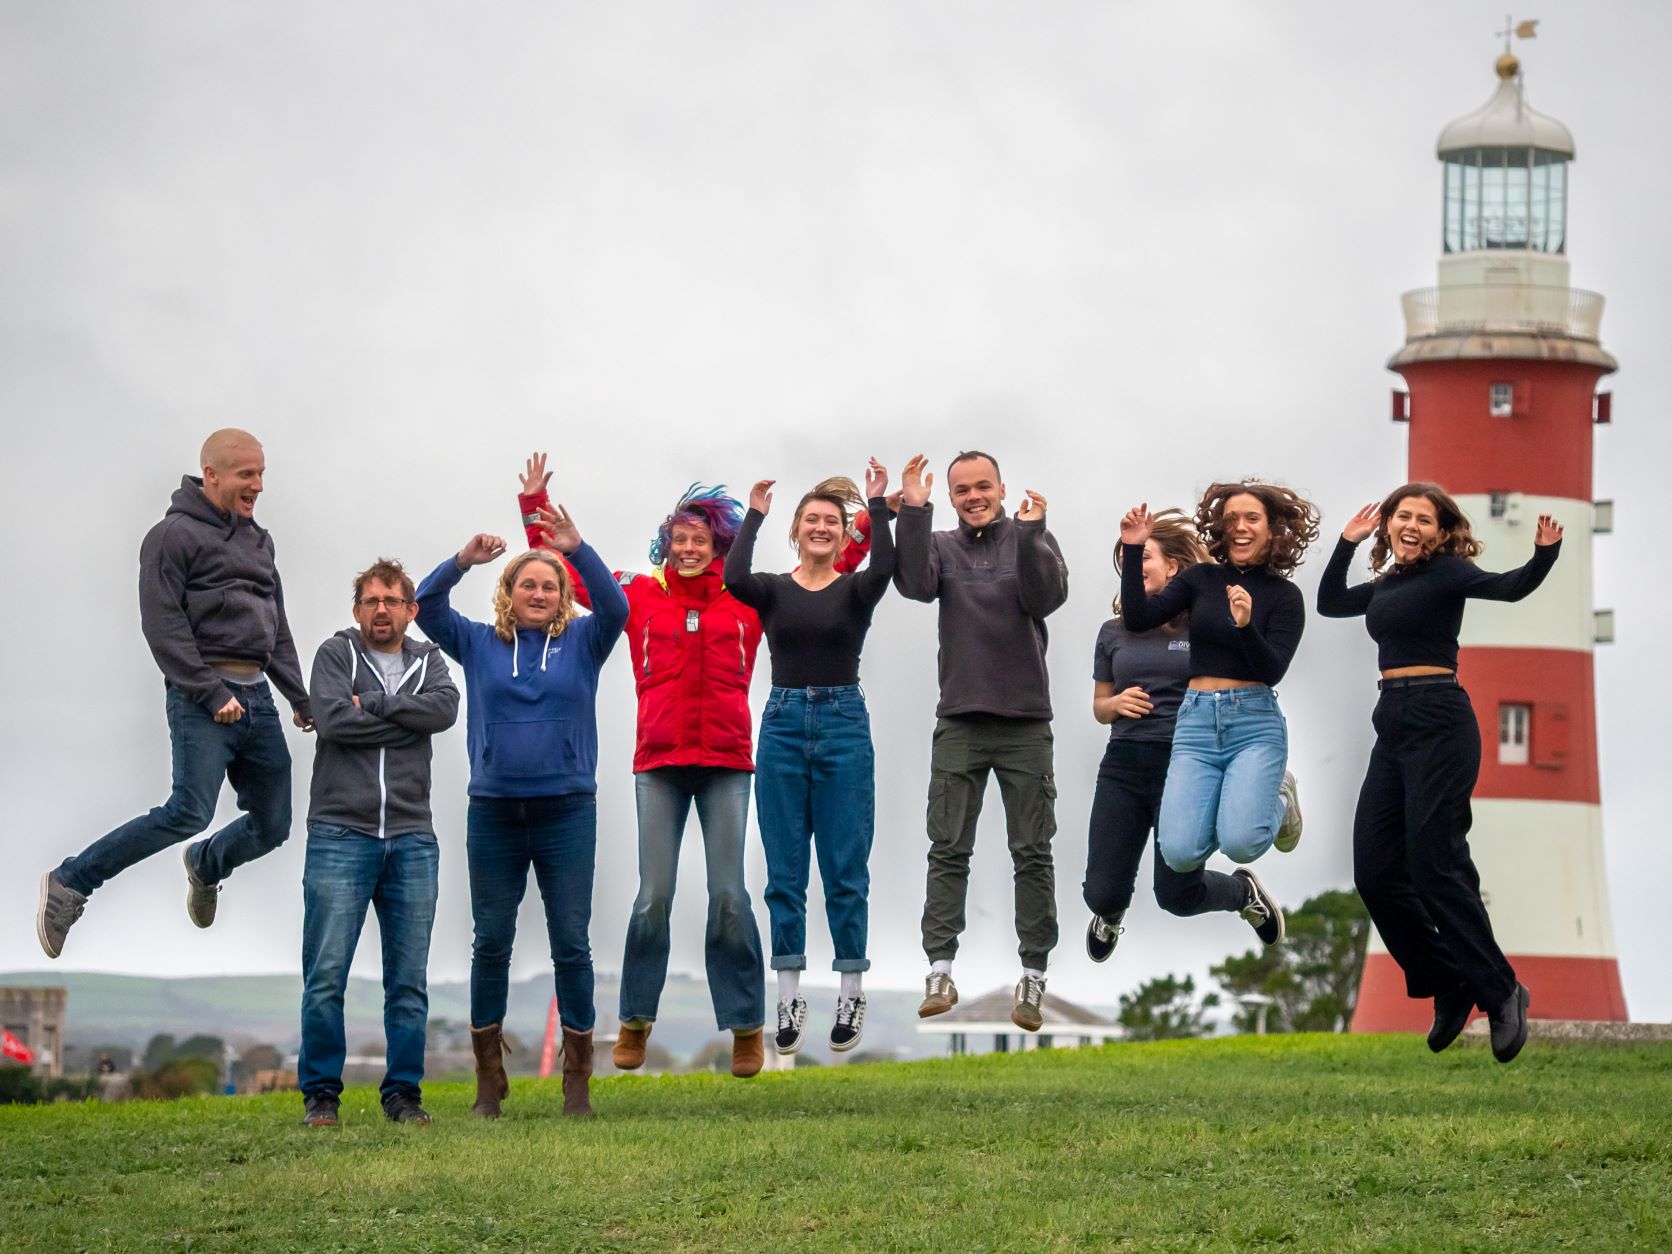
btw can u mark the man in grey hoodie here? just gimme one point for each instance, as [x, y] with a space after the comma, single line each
[378, 698]
[997, 579]
[212, 611]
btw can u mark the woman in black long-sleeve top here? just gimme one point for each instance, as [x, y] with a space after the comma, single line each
[1410, 833]
[815, 770]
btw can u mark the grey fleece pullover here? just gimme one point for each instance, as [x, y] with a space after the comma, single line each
[996, 586]
[372, 763]
[209, 588]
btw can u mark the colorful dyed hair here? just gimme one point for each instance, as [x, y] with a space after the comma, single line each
[712, 507]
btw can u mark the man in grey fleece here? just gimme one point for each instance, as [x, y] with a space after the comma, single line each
[379, 697]
[997, 579]
[212, 610]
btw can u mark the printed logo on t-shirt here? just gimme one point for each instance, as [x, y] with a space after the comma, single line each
[1178, 646]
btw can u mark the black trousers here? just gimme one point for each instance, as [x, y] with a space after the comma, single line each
[1123, 810]
[1411, 850]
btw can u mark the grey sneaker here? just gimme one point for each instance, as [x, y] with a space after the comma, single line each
[940, 994]
[850, 1023]
[792, 1018]
[1102, 935]
[1029, 1010]
[59, 909]
[1288, 831]
[320, 1112]
[200, 897]
[404, 1108]
[1261, 910]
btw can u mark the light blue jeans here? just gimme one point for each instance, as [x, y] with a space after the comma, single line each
[1229, 752]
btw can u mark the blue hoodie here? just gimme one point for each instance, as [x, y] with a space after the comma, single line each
[531, 704]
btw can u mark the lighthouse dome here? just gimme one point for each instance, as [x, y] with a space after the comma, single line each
[1507, 121]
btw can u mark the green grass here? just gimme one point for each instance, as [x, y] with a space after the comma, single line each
[1299, 1142]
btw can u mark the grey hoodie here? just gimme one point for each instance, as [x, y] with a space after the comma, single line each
[995, 586]
[372, 764]
[208, 588]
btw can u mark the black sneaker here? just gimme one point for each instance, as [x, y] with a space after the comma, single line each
[60, 907]
[404, 1108]
[850, 1023]
[1451, 1012]
[1509, 1025]
[320, 1112]
[1102, 935]
[201, 898]
[792, 1018]
[1261, 910]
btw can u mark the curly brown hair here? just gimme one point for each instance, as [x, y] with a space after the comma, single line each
[1175, 535]
[1457, 540]
[388, 571]
[505, 622]
[1292, 518]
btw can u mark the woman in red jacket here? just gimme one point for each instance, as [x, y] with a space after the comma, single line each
[693, 649]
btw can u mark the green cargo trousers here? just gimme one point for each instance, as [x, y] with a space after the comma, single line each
[967, 749]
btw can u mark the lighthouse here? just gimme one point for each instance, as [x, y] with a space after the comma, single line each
[1501, 364]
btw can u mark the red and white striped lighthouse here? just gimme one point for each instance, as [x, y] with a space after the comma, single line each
[1501, 362]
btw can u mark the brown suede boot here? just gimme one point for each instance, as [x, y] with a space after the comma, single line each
[488, 1044]
[577, 1072]
[628, 1054]
[748, 1053]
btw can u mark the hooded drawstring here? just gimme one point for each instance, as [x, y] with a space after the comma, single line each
[516, 652]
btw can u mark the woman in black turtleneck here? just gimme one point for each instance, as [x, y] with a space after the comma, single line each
[1227, 786]
[1410, 848]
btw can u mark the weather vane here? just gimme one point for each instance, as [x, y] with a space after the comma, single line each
[1520, 30]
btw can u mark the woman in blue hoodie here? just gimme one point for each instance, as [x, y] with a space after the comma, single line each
[531, 687]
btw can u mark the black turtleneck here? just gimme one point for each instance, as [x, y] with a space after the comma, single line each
[1259, 653]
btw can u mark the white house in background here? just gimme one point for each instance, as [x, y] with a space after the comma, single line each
[1066, 1025]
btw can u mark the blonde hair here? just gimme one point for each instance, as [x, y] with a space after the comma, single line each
[838, 490]
[505, 621]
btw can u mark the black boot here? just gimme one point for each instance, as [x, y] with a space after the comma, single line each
[1451, 1012]
[1509, 1025]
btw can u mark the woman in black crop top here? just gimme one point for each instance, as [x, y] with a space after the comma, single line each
[815, 771]
[1227, 783]
[1410, 849]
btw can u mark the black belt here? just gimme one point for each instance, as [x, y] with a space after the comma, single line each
[1416, 681]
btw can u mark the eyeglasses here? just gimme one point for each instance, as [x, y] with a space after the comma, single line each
[372, 603]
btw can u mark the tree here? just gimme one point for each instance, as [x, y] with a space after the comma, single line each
[1313, 976]
[1165, 1009]
[201, 1046]
[158, 1051]
[257, 1058]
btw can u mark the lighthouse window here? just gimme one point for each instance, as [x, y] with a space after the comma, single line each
[1503, 400]
[1513, 724]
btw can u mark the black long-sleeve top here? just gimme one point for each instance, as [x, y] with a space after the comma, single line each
[815, 636]
[1259, 653]
[1414, 612]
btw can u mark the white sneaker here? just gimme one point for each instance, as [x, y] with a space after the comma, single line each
[1288, 831]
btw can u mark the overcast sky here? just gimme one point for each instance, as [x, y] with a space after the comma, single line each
[1131, 248]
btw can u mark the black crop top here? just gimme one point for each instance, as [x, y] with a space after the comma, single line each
[1259, 653]
[815, 637]
[1414, 612]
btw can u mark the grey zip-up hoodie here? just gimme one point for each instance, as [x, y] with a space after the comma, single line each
[995, 585]
[372, 764]
[209, 588]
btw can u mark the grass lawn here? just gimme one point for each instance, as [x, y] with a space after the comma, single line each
[1309, 1142]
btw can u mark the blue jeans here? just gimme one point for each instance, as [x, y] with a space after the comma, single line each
[558, 837]
[1229, 752]
[815, 783]
[345, 872]
[732, 946]
[251, 753]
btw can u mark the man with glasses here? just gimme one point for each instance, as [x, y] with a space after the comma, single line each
[212, 611]
[377, 699]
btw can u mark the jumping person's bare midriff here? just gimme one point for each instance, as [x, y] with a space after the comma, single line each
[1213, 683]
[1405, 672]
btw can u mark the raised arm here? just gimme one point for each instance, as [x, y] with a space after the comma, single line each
[1335, 598]
[916, 564]
[535, 500]
[1513, 585]
[1138, 609]
[437, 618]
[609, 602]
[1039, 566]
[337, 718]
[434, 707]
[872, 582]
[741, 581]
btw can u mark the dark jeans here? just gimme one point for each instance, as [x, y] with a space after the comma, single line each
[345, 872]
[1130, 781]
[558, 837]
[251, 753]
[967, 749]
[732, 946]
[1411, 850]
[815, 785]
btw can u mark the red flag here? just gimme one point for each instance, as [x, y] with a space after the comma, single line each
[548, 1051]
[11, 1047]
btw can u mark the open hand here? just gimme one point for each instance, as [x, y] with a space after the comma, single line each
[1033, 506]
[231, 712]
[876, 480]
[535, 476]
[560, 529]
[1135, 526]
[1363, 523]
[1242, 605]
[481, 548]
[760, 496]
[1134, 702]
[914, 483]
[1549, 531]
